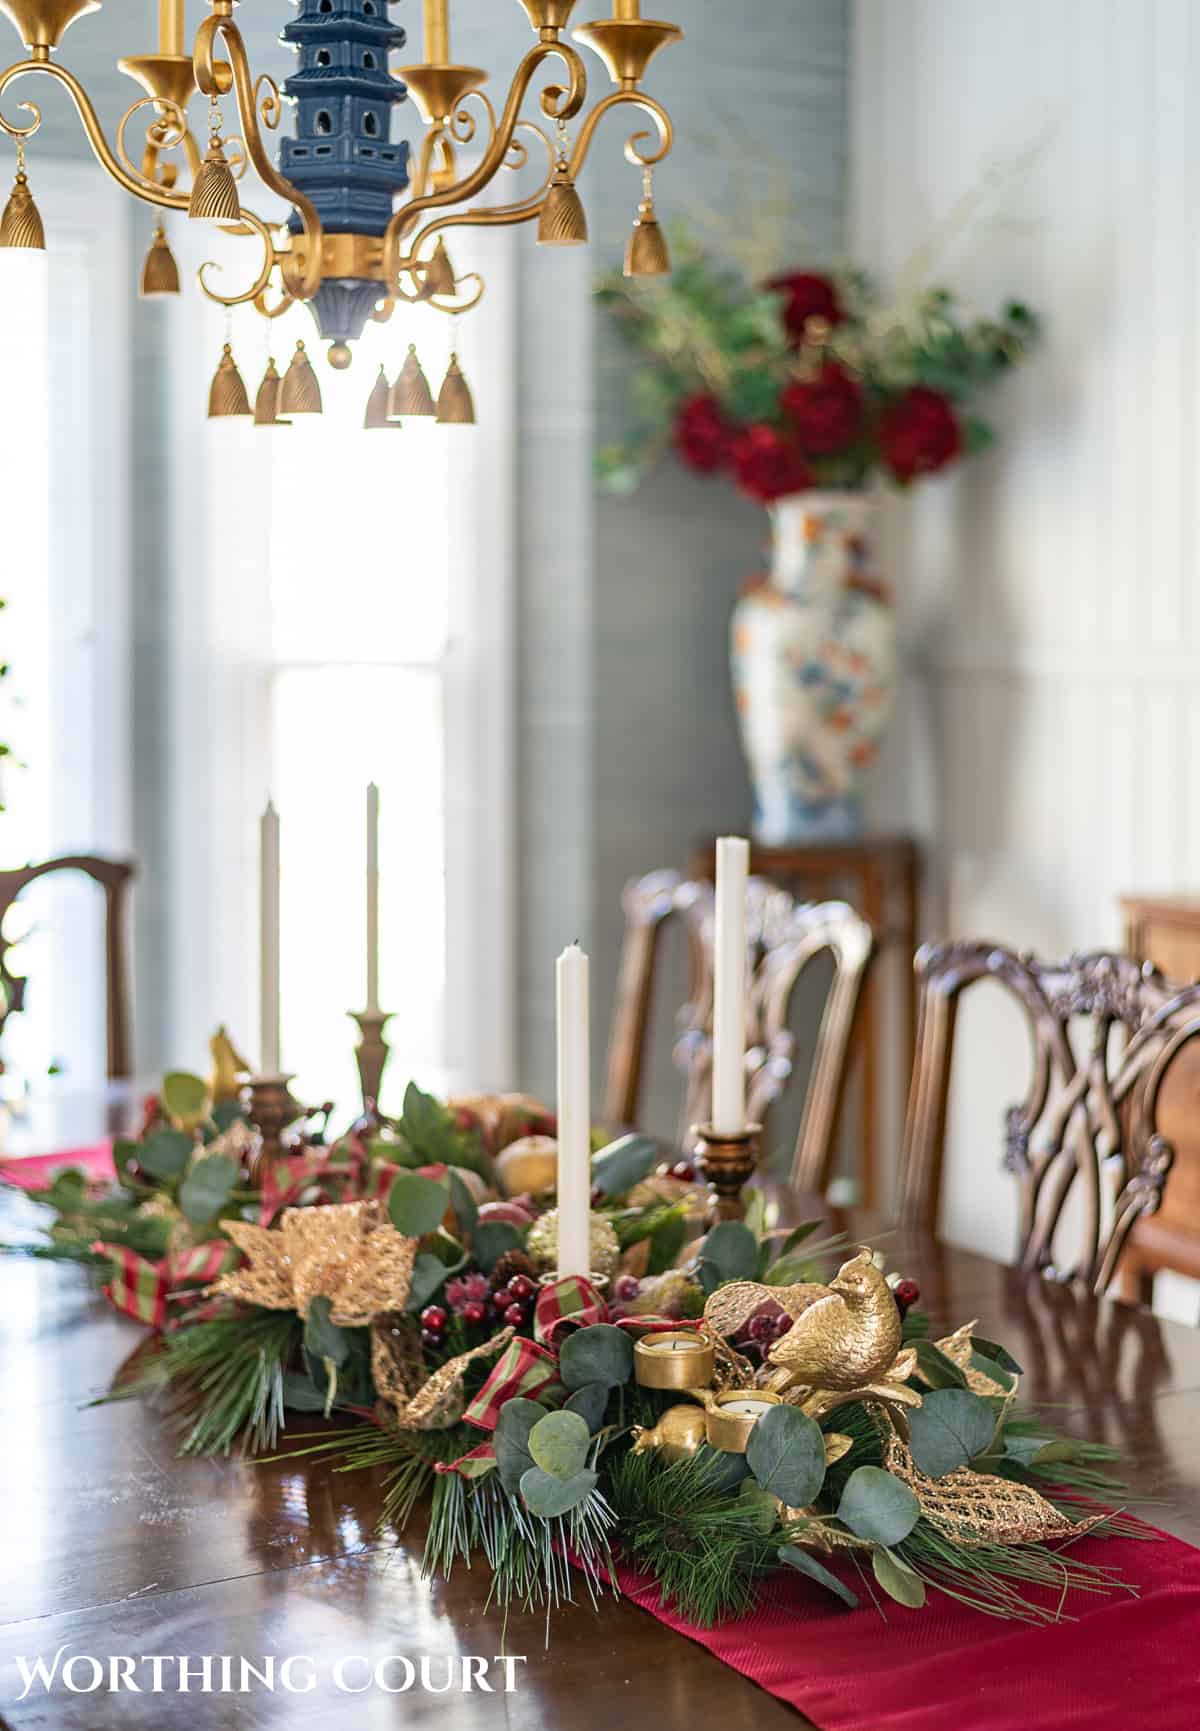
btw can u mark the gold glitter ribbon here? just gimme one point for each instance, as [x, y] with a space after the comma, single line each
[345, 1252]
[396, 1364]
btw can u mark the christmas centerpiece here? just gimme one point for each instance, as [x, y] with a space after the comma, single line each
[800, 390]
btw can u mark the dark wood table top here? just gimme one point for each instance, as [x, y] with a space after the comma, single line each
[116, 1547]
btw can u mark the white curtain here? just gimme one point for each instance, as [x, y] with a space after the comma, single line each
[341, 612]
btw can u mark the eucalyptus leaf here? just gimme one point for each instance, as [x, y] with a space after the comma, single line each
[511, 1439]
[800, 1560]
[724, 1470]
[876, 1505]
[559, 1444]
[416, 1205]
[666, 1241]
[226, 1113]
[934, 1368]
[949, 1427]
[898, 1581]
[301, 1394]
[206, 1189]
[759, 1505]
[428, 1275]
[730, 1253]
[493, 1239]
[322, 1338]
[786, 1454]
[624, 1163]
[184, 1097]
[590, 1402]
[466, 1210]
[1030, 1451]
[548, 1496]
[998, 1354]
[600, 1353]
[165, 1153]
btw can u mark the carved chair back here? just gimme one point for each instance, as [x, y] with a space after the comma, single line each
[783, 937]
[114, 878]
[1104, 1031]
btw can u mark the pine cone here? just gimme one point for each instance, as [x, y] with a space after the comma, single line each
[512, 1262]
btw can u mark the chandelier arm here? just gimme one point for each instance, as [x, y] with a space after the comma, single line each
[463, 124]
[262, 306]
[165, 133]
[127, 177]
[639, 157]
[214, 78]
[421, 179]
[270, 259]
[557, 104]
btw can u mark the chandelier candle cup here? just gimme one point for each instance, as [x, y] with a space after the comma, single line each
[574, 1114]
[731, 1418]
[674, 1361]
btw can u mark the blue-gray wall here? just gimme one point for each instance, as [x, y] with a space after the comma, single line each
[626, 747]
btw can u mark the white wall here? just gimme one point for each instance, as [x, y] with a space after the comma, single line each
[1051, 725]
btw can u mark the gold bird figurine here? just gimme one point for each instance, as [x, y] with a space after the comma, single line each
[849, 1339]
[230, 1069]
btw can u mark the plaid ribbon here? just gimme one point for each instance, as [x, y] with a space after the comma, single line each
[470, 1466]
[570, 1303]
[138, 1288]
[523, 1369]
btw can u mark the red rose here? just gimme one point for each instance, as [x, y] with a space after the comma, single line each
[808, 296]
[703, 436]
[919, 434]
[767, 465]
[826, 412]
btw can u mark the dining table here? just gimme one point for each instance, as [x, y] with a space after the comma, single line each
[112, 1546]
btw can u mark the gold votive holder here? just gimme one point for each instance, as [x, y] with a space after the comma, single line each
[679, 1360]
[727, 1428]
[726, 1160]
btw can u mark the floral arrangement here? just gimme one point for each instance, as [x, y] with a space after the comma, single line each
[802, 381]
[716, 1410]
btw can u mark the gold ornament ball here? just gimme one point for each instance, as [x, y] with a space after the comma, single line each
[340, 355]
[529, 1165]
[678, 1433]
[604, 1245]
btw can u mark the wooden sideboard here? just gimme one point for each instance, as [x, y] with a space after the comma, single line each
[1165, 930]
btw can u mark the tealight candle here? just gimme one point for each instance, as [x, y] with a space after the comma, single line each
[732, 1417]
[680, 1360]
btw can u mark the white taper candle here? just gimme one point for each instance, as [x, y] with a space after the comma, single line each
[574, 1114]
[372, 897]
[269, 941]
[729, 987]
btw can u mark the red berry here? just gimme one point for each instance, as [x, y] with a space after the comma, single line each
[434, 1317]
[906, 1293]
[683, 1169]
[626, 1288]
[520, 1287]
[780, 1324]
[597, 1196]
[474, 1313]
[431, 1337]
[514, 1316]
[761, 1327]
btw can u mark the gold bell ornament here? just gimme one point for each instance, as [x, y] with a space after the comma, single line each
[214, 190]
[563, 220]
[646, 250]
[437, 278]
[410, 393]
[455, 405]
[160, 273]
[227, 395]
[266, 403]
[300, 393]
[377, 404]
[21, 224]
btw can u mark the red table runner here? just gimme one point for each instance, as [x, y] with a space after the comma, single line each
[1122, 1663]
[37, 1171]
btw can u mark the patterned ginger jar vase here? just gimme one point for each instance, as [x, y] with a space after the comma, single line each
[814, 671]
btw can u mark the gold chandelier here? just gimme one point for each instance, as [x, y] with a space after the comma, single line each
[366, 229]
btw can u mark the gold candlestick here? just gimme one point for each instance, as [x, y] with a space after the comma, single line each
[726, 1163]
[271, 1110]
[437, 32]
[170, 26]
[371, 1054]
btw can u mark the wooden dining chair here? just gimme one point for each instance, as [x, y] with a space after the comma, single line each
[1104, 1031]
[114, 878]
[783, 937]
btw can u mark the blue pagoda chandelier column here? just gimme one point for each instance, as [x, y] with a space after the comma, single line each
[342, 155]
